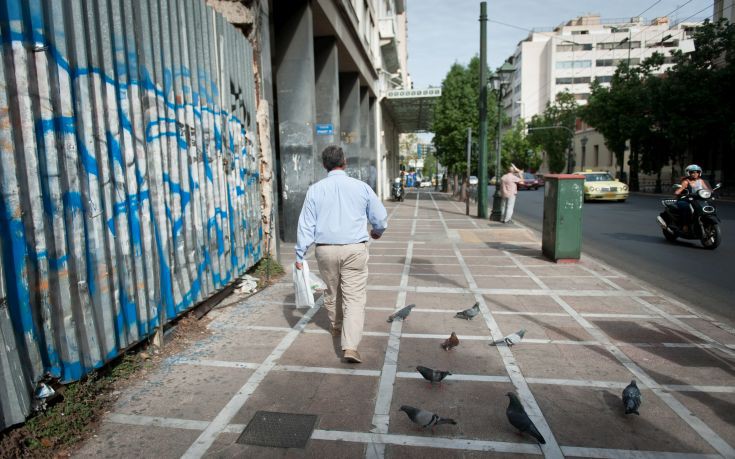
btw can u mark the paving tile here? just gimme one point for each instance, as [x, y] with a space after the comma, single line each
[429, 260]
[470, 357]
[393, 269]
[454, 301]
[383, 299]
[684, 365]
[712, 330]
[569, 361]
[384, 279]
[478, 408]
[522, 303]
[543, 327]
[415, 452]
[238, 346]
[438, 280]
[628, 284]
[644, 331]
[342, 402]
[446, 270]
[477, 261]
[119, 440]
[506, 282]
[321, 350]
[503, 270]
[606, 305]
[271, 315]
[397, 259]
[717, 410]
[225, 447]
[666, 305]
[595, 418]
[179, 391]
[578, 283]
[440, 323]
[559, 270]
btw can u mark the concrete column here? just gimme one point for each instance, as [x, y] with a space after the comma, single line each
[372, 146]
[327, 99]
[349, 101]
[294, 37]
[364, 133]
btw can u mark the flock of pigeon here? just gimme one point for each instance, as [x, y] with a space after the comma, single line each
[515, 412]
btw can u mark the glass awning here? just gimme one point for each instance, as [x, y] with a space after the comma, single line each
[412, 109]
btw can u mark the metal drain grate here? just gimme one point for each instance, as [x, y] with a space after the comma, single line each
[282, 430]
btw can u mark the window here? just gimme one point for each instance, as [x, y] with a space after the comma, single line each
[565, 47]
[580, 32]
[597, 155]
[662, 44]
[619, 45]
[582, 96]
[616, 62]
[603, 78]
[575, 80]
[573, 64]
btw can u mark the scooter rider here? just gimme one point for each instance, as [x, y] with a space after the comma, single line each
[692, 182]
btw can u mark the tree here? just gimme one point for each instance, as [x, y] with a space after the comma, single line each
[455, 111]
[557, 123]
[517, 149]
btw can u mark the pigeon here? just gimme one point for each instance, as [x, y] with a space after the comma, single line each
[432, 375]
[451, 342]
[632, 398]
[510, 340]
[470, 313]
[401, 313]
[425, 418]
[520, 420]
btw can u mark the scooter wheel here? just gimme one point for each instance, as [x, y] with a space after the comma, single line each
[713, 236]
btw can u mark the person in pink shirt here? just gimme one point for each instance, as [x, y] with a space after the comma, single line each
[508, 191]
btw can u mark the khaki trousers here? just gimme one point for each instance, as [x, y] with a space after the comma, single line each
[344, 268]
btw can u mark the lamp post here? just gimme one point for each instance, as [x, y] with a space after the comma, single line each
[482, 162]
[583, 142]
[500, 81]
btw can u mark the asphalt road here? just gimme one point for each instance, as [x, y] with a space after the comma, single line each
[627, 237]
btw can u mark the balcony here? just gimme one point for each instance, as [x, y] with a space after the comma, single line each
[388, 43]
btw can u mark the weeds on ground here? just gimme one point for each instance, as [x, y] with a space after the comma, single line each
[262, 268]
[68, 421]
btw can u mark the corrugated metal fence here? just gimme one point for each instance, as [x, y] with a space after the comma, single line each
[129, 178]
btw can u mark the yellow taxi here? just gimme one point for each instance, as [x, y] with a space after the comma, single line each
[601, 186]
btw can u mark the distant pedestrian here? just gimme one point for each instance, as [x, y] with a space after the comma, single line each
[508, 191]
[334, 217]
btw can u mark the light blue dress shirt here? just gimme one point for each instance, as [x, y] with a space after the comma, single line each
[336, 211]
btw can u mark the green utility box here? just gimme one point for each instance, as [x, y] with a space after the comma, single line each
[562, 230]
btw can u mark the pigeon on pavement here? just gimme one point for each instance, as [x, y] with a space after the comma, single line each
[470, 313]
[432, 375]
[632, 398]
[510, 340]
[401, 313]
[451, 342]
[520, 420]
[425, 418]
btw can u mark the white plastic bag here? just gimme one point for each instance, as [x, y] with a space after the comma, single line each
[304, 295]
[317, 284]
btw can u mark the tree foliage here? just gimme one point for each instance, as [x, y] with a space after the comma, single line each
[456, 110]
[517, 149]
[552, 130]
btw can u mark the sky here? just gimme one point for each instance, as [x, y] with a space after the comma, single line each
[442, 32]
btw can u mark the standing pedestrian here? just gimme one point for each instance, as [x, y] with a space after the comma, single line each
[334, 217]
[508, 191]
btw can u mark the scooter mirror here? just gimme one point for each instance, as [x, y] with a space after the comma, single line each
[718, 186]
[676, 186]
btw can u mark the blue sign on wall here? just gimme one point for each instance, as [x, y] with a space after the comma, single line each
[325, 129]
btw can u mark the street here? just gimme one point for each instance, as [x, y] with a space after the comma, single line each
[626, 236]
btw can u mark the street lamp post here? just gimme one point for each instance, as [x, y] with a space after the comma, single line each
[482, 162]
[500, 81]
[583, 142]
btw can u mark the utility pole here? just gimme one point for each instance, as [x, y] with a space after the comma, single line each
[482, 163]
[469, 156]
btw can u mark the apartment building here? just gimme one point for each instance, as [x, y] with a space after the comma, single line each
[724, 9]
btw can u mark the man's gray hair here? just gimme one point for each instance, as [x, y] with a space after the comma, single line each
[333, 157]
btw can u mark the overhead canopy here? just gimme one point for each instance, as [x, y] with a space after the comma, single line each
[412, 109]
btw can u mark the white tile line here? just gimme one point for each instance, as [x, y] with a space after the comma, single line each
[326, 370]
[209, 435]
[381, 414]
[551, 448]
[412, 440]
[511, 291]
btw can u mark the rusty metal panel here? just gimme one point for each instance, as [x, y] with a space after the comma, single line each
[129, 185]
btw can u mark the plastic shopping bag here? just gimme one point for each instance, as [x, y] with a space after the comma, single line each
[302, 286]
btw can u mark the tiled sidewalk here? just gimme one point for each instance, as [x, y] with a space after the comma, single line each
[590, 330]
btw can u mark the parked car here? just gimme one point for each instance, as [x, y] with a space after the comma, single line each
[601, 186]
[530, 182]
[474, 180]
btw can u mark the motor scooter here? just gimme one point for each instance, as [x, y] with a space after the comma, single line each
[692, 216]
[397, 192]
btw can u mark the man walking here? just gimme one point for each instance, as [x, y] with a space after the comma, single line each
[334, 217]
[508, 192]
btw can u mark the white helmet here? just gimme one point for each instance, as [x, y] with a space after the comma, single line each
[692, 168]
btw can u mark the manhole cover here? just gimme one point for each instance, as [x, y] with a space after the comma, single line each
[282, 430]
